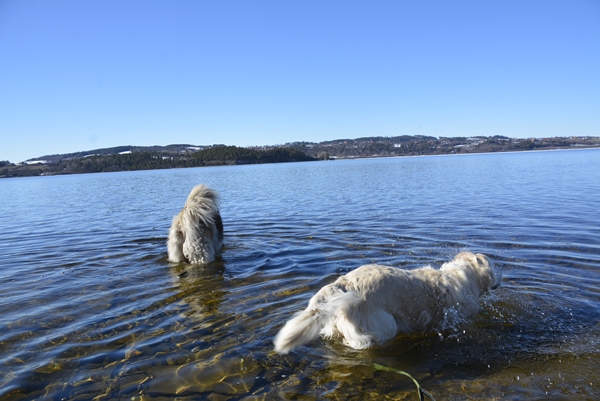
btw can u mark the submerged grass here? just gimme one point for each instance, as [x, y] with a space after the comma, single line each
[420, 390]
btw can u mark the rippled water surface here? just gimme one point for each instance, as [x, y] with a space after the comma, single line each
[90, 308]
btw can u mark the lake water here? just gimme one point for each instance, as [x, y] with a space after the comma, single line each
[90, 308]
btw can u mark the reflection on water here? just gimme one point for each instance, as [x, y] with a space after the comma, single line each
[91, 309]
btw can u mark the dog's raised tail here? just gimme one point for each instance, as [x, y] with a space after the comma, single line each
[318, 318]
[302, 328]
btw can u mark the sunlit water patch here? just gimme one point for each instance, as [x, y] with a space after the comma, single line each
[91, 309]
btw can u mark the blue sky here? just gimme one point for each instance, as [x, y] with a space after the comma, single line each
[80, 75]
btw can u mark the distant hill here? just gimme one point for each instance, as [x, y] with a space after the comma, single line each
[171, 149]
[427, 145]
[127, 158]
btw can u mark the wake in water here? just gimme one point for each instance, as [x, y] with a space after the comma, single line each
[374, 303]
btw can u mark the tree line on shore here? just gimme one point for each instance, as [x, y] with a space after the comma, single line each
[152, 160]
[128, 158]
[417, 145]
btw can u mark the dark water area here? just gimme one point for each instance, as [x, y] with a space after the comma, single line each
[90, 308]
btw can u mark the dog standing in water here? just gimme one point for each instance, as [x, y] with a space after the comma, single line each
[374, 303]
[196, 233]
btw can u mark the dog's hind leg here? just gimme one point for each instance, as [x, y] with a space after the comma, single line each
[352, 335]
[175, 244]
[198, 248]
[361, 328]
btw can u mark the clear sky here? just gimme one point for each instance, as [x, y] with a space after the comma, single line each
[80, 75]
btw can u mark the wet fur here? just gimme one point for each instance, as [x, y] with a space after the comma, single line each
[374, 303]
[196, 234]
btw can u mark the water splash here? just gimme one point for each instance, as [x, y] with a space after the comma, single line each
[450, 327]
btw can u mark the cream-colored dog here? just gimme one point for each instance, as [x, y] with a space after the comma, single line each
[374, 303]
[196, 233]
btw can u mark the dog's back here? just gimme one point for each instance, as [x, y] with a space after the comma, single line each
[374, 303]
[357, 306]
[196, 233]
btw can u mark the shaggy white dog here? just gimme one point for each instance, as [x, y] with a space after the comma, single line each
[374, 303]
[196, 233]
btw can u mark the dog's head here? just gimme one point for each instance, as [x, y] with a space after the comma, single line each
[479, 268]
[490, 276]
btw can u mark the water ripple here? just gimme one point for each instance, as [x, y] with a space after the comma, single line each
[91, 308]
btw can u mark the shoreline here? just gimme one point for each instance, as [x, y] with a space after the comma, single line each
[466, 154]
[36, 167]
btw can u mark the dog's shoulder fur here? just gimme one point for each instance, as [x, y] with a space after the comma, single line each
[374, 303]
[196, 233]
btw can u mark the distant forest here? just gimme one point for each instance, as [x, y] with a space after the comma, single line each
[418, 145]
[152, 160]
[128, 158]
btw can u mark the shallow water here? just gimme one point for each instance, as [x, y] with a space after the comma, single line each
[91, 309]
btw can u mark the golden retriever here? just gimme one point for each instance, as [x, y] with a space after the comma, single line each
[374, 303]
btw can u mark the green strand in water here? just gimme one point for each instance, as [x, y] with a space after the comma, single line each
[421, 391]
